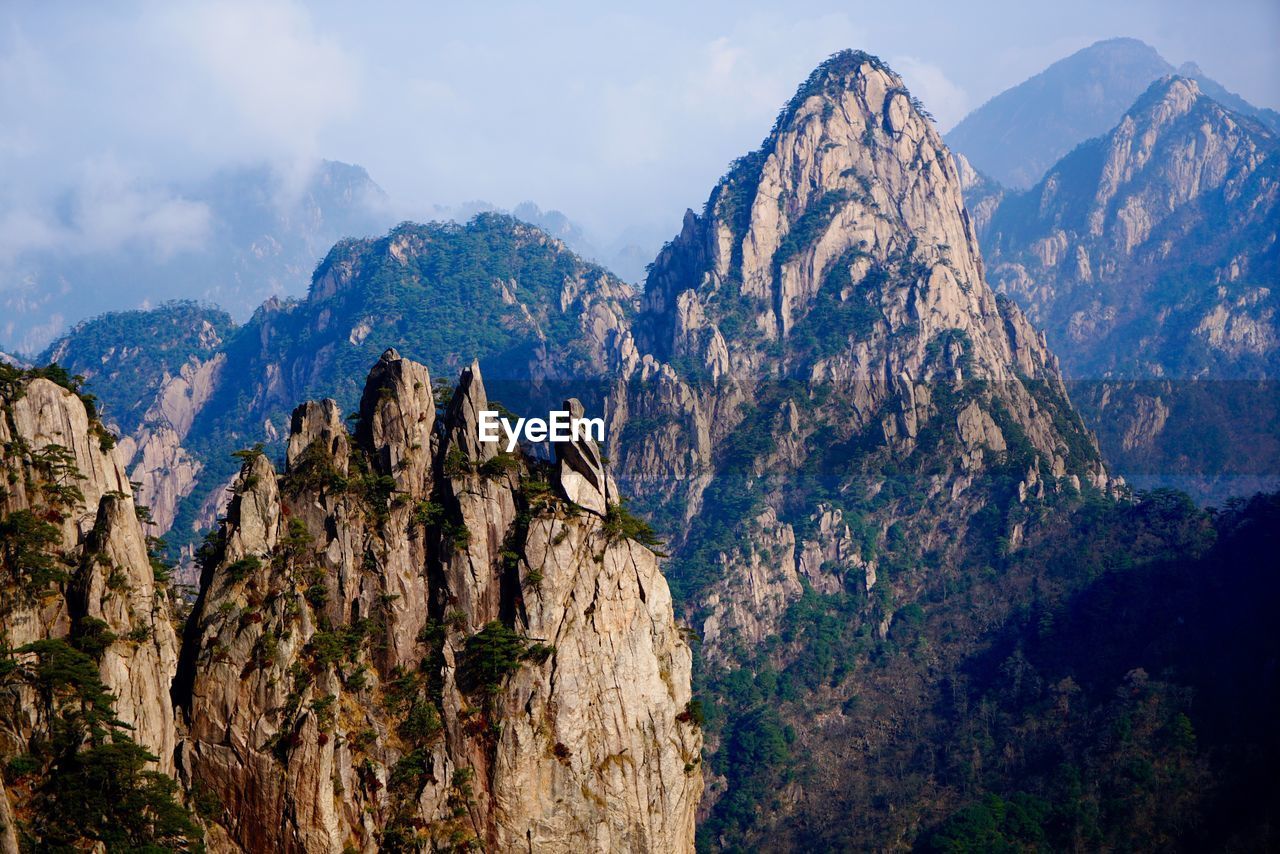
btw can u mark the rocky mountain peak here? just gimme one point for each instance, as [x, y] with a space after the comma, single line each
[851, 165]
[406, 639]
[1018, 134]
[826, 308]
[846, 229]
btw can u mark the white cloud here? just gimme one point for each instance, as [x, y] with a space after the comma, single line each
[107, 209]
[110, 209]
[263, 66]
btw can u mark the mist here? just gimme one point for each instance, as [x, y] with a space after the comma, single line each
[619, 119]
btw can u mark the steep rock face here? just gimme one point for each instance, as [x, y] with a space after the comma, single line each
[536, 315]
[831, 297]
[1151, 254]
[166, 471]
[411, 636]
[77, 564]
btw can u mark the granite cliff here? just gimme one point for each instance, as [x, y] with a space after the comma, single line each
[86, 629]
[410, 638]
[405, 639]
[826, 318]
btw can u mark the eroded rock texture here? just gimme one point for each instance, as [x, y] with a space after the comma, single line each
[824, 326]
[77, 563]
[410, 637]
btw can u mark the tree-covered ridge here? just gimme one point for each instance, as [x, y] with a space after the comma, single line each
[1106, 687]
[125, 355]
[495, 288]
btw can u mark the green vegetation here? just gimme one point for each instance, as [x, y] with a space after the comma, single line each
[809, 227]
[621, 524]
[26, 546]
[834, 322]
[126, 354]
[1122, 701]
[996, 825]
[243, 568]
[494, 653]
[88, 779]
[314, 470]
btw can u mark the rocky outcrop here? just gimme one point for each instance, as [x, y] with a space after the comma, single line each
[76, 563]
[152, 373]
[412, 637]
[584, 477]
[166, 471]
[831, 292]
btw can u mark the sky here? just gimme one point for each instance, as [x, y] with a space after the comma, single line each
[619, 115]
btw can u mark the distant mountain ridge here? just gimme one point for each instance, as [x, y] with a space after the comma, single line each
[1151, 256]
[1017, 135]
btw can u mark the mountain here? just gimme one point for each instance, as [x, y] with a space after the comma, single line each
[626, 256]
[130, 355]
[233, 239]
[1176, 202]
[154, 370]
[406, 639]
[817, 396]
[1150, 255]
[497, 288]
[1215, 90]
[1017, 135]
[921, 611]
[830, 297]
[838, 420]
